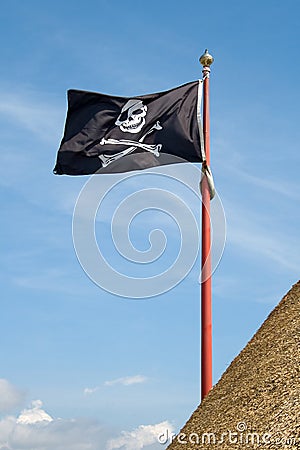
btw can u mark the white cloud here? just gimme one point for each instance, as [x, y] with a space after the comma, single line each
[57, 434]
[280, 185]
[124, 381]
[38, 116]
[140, 437]
[249, 233]
[34, 414]
[50, 279]
[89, 391]
[35, 429]
[127, 381]
[10, 396]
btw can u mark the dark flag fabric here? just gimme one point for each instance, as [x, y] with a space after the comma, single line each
[105, 134]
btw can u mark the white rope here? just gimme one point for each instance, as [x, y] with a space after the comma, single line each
[206, 172]
[199, 102]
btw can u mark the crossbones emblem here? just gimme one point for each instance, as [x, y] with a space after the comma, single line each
[152, 148]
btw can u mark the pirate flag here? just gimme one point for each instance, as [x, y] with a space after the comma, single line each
[117, 134]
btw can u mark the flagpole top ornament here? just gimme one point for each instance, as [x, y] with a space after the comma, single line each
[206, 59]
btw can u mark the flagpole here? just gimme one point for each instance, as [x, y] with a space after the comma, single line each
[206, 290]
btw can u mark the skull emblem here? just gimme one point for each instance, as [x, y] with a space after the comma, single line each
[132, 116]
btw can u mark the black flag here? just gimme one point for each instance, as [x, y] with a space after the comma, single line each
[101, 131]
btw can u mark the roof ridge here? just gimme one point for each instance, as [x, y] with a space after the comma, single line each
[262, 383]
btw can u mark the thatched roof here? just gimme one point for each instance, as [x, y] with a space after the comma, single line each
[260, 391]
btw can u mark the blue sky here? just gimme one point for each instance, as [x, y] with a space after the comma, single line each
[101, 366]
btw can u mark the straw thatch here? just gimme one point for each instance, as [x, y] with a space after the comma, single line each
[256, 403]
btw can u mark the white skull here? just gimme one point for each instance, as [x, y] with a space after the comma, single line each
[132, 116]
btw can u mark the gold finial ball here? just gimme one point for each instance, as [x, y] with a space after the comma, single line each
[206, 59]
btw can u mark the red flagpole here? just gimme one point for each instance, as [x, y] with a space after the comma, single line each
[206, 291]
